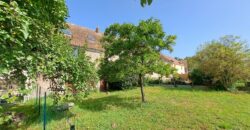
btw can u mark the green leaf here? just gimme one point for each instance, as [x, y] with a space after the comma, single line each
[4, 71]
[29, 58]
[25, 29]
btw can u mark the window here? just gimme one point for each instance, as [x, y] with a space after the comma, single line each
[75, 51]
[91, 38]
[66, 32]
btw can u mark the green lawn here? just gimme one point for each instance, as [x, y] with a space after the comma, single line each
[166, 108]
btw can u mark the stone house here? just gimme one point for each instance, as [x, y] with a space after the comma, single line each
[81, 36]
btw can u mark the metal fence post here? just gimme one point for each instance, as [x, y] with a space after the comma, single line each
[39, 100]
[44, 112]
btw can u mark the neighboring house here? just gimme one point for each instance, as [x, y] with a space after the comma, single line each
[180, 66]
[81, 36]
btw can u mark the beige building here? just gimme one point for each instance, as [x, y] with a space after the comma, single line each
[81, 36]
[180, 66]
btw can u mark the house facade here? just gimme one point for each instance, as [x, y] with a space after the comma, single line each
[81, 36]
[180, 66]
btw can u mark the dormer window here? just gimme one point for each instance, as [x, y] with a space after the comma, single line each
[91, 38]
[66, 32]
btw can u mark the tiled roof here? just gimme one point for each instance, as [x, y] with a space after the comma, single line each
[171, 60]
[81, 36]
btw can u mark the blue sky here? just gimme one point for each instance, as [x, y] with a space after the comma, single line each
[193, 21]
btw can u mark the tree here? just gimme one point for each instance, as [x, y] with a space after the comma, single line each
[134, 50]
[163, 69]
[226, 60]
[32, 44]
[76, 71]
[27, 30]
[197, 76]
[146, 2]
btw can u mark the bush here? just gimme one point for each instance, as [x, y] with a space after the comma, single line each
[199, 78]
[127, 83]
[242, 86]
[121, 85]
[248, 84]
[154, 81]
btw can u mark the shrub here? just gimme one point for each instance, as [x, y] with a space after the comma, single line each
[127, 83]
[226, 60]
[200, 78]
[248, 84]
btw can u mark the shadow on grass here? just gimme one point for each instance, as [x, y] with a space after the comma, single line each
[245, 89]
[188, 88]
[205, 89]
[109, 102]
[31, 116]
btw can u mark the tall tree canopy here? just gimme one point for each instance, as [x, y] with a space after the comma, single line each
[27, 28]
[32, 44]
[225, 60]
[134, 50]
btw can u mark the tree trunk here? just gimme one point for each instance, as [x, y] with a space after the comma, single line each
[174, 82]
[160, 79]
[141, 86]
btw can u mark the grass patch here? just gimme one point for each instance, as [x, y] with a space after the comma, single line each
[166, 108]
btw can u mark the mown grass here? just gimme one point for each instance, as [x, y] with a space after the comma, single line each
[166, 108]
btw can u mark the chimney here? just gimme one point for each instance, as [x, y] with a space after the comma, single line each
[97, 30]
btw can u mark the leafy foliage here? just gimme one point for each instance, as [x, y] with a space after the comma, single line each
[32, 44]
[73, 73]
[226, 60]
[27, 30]
[134, 50]
[164, 69]
[146, 2]
[199, 78]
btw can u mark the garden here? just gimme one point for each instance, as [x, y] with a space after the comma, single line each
[212, 92]
[167, 107]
